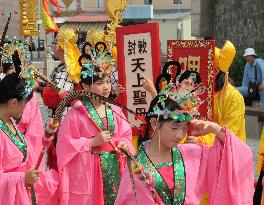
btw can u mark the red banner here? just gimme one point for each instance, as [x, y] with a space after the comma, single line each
[138, 52]
[197, 55]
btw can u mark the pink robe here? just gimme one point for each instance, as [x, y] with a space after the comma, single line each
[31, 126]
[12, 171]
[78, 167]
[225, 171]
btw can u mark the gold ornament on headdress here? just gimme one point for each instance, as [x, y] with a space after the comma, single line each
[225, 56]
[65, 37]
[94, 36]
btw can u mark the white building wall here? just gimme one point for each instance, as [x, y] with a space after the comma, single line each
[176, 29]
[187, 29]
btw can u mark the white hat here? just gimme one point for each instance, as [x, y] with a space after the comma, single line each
[249, 52]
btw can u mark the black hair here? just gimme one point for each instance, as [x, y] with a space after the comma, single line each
[166, 75]
[6, 67]
[219, 81]
[16, 61]
[169, 104]
[11, 86]
[89, 80]
[187, 74]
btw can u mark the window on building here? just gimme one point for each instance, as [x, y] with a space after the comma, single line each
[177, 1]
[100, 3]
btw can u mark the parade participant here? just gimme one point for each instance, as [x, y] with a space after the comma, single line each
[229, 106]
[16, 56]
[88, 164]
[64, 76]
[63, 47]
[16, 159]
[172, 173]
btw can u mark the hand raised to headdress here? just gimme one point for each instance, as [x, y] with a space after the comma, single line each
[200, 127]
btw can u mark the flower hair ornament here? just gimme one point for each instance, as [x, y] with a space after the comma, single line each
[27, 90]
[185, 93]
[96, 61]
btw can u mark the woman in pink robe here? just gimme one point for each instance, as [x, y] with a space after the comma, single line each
[219, 170]
[180, 173]
[16, 158]
[88, 162]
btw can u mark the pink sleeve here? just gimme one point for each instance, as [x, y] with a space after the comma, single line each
[12, 186]
[31, 120]
[230, 172]
[70, 142]
[124, 130]
[32, 127]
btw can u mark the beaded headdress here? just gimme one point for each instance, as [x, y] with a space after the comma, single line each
[185, 94]
[95, 35]
[24, 58]
[11, 47]
[97, 61]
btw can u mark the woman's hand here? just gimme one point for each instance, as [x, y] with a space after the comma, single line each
[31, 177]
[101, 139]
[119, 89]
[148, 85]
[122, 144]
[192, 140]
[201, 127]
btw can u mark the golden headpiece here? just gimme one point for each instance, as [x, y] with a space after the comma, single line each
[94, 36]
[225, 56]
[65, 37]
[66, 40]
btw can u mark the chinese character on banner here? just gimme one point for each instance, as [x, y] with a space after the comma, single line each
[197, 55]
[138, 53]
[138, 63]
[139, 97]
[131, 47]
[190, 63]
